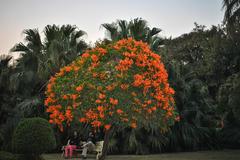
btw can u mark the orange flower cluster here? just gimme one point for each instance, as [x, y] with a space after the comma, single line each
[113, 101]
[107, 126]
[125, 84]
[124, 65]
[79, 88]
[119, 111]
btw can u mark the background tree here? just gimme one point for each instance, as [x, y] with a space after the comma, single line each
[61, 46]
[41, 59]
[137, 28]
[232, 11]
[8, 101]
[232, 18]
[6, 70]
[195, 74]
[228, 102]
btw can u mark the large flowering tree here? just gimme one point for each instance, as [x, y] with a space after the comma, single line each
[123, 84]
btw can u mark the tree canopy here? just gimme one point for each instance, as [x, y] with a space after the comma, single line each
[124, 84]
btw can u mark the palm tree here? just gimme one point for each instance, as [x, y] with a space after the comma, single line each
[232, 11]
[196, 109]
[31, 52]
[137, 29]
[41, 59]
[62, 45]
[232, 19]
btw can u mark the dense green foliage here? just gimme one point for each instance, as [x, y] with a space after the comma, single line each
[203, 68]
[33, 136]
[6, 156]
[23, 84]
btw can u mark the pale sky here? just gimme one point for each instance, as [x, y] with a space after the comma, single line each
[174, 17]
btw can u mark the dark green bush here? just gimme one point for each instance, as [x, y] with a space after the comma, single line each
[32, 137]
[6, 156]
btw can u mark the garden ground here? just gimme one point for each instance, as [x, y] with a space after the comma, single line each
[201, 155]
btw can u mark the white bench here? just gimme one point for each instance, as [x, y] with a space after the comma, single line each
[97, 149]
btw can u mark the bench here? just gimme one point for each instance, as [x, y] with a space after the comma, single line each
[97, 150]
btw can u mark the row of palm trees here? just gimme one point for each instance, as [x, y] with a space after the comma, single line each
[137, 29]
[24, 82]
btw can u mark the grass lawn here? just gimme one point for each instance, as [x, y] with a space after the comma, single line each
[203, 155]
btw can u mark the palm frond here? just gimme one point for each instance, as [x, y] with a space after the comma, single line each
[138, 28]
[31, 107]
[4, 61]
[20, 47]
[123, 26]
[111, 31]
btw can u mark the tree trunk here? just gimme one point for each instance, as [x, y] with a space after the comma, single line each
[106, 143]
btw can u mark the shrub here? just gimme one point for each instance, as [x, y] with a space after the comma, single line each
[6, 156]
[33, 136]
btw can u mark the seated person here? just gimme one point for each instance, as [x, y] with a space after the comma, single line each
[81, 142]
[89, 145]
[72, 144]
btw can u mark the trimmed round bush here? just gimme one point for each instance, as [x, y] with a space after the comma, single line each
[33, 136]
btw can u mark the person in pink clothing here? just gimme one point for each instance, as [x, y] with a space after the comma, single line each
[73, 142]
